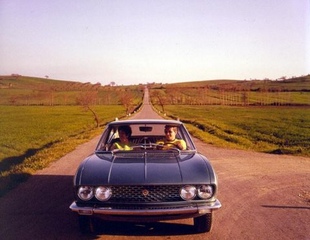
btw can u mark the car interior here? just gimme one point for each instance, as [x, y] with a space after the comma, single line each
[142, 135]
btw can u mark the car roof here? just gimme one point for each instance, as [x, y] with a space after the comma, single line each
[145, 121]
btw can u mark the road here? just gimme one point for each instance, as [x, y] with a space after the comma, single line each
[264, 196]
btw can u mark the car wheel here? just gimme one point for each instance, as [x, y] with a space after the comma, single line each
[87, 224]
[203, 223]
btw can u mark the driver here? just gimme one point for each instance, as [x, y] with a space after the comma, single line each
[171, 141]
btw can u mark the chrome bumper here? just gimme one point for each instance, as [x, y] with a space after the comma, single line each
[203, 209]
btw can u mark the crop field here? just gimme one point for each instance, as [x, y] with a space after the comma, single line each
[270, 129]
[290, 92]
[21, 90]
[33, 136]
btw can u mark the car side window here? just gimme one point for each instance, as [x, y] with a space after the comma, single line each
[111, 137]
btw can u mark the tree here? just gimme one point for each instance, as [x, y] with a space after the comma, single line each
[51, 94]
[86, 99]
[161, 99]
[126, 100]
[245, 98]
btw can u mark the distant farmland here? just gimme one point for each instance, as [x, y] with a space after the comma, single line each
[21, 90]
[288, 92]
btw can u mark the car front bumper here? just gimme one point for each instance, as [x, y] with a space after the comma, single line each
[147, 213]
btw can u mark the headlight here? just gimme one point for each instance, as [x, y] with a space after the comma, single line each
[205, 191]
[188, 192]
[85, 193]
[103, 193]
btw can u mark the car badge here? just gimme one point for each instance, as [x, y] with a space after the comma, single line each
[145, 192]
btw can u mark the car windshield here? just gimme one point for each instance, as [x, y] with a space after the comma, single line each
[145, 134]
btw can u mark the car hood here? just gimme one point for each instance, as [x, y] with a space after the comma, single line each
[144, 168]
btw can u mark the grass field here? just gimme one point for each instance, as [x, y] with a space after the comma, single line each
[282, 130]
[34, 136]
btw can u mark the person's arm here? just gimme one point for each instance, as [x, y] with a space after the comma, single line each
[181, 144]
[160, 144]
[114, 146]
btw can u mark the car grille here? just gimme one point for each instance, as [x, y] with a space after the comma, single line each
[145, 194]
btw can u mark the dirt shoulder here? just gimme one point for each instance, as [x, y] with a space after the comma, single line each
[264, 196]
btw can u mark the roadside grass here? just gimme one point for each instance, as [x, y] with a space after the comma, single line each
[278, 130]
[34, 136]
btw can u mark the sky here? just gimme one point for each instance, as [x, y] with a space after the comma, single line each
[162, 41]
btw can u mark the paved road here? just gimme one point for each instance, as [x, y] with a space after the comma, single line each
[264, 197]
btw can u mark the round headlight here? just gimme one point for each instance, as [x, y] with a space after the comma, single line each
[188, 192]
[85, 193]
[103, 193]
[205, 191]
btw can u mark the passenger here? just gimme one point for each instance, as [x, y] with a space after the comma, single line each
[124, 133]
[171, 141]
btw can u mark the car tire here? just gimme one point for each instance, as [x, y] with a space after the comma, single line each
[203, 223]
[87, 224]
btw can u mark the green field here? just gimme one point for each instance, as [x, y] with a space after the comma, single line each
[34, 136]
[281, 130]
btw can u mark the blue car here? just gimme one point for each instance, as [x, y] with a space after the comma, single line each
[149, 179]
